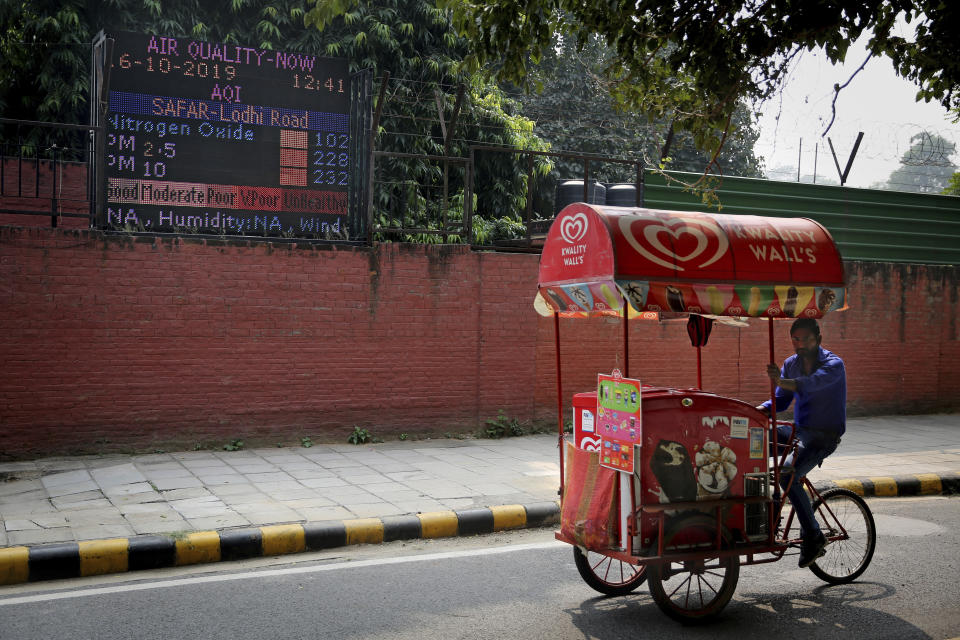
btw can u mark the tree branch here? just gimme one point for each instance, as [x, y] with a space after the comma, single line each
[716, 154]
[836, 93]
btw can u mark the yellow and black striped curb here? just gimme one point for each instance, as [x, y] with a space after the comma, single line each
[917, 484]
[95, 557]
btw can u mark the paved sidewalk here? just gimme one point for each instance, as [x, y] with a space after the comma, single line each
[70, 500]
[90, 497]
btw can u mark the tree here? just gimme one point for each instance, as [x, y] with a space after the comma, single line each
[692, 62]
[574, 111]
[413, 41]
[926, 167]
[953, 187]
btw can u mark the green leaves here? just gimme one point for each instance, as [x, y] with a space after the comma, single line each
[698, 61]
[323, 12]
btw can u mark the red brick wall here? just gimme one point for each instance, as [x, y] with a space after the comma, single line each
[42, 191]
[111, 342]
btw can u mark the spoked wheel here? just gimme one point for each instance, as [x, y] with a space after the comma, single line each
[608, 575]
[693, 591]
[846, 558]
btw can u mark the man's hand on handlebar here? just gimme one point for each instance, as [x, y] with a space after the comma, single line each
[773, 372]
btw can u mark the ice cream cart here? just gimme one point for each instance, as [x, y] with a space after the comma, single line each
[677, 486]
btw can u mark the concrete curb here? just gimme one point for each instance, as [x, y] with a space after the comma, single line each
[96, 557]
[918, 484]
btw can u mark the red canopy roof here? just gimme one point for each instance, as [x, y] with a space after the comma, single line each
[594, 256]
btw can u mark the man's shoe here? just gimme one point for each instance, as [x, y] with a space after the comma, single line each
[809, 552]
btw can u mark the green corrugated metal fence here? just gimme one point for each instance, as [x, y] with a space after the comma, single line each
[867, 224]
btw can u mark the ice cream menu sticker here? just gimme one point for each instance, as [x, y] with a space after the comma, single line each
[618, 419]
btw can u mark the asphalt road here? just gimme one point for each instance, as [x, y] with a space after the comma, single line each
[519, 585]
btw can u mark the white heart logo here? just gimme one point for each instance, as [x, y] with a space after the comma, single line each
[573, 227]
[697, 227]
[652, 233]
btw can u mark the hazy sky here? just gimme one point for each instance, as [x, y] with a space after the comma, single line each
[877, 102]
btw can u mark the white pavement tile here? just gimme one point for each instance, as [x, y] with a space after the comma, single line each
[15, 487]
[462, 503]
[172, 525]
[274, 515]
[27, 497]
[339, 463]
[363, 480]
[42, 536]
[222, 479]
[128, 489]
[137, 498]
[420, 505]
[93, 503]
[28, 508]
[94, 517]
[403, 476]
[203, 523]
[66, 478]
[234, 489]
[154, 509]
[290, 494]
[323, 483]
[103, 531]
[268, 478]
[308, 503]
[321, 514]
[313, 472]
[188, 493]
[352, 499]
[375, 510]
[49, 520]
[166, 484]
[79, 487]
[250, 469]
[440, 490]
[120, 474]
[174, 472]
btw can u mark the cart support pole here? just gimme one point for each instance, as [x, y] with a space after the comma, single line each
[699, 370]
[775, 509]
[556, 337]
[626, 342]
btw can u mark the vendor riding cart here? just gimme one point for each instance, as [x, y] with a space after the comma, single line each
[680, 487]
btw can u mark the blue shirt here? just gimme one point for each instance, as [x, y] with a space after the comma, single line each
[821, 396]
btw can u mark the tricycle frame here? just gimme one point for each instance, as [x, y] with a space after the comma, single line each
[723, 550]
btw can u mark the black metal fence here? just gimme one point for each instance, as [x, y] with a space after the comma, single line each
[44, 170]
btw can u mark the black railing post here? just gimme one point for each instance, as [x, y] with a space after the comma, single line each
[54, 201]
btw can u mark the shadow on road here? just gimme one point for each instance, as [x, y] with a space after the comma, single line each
[825, 612]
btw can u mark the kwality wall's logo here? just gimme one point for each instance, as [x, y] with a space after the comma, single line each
[573, 227]
[678, 239]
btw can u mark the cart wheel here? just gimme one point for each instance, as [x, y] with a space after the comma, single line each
[846, 557]
[608, 575]
[694, 591]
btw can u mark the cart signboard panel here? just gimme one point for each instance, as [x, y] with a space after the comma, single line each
[618, 420]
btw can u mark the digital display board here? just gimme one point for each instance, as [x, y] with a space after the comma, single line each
[227, 139]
